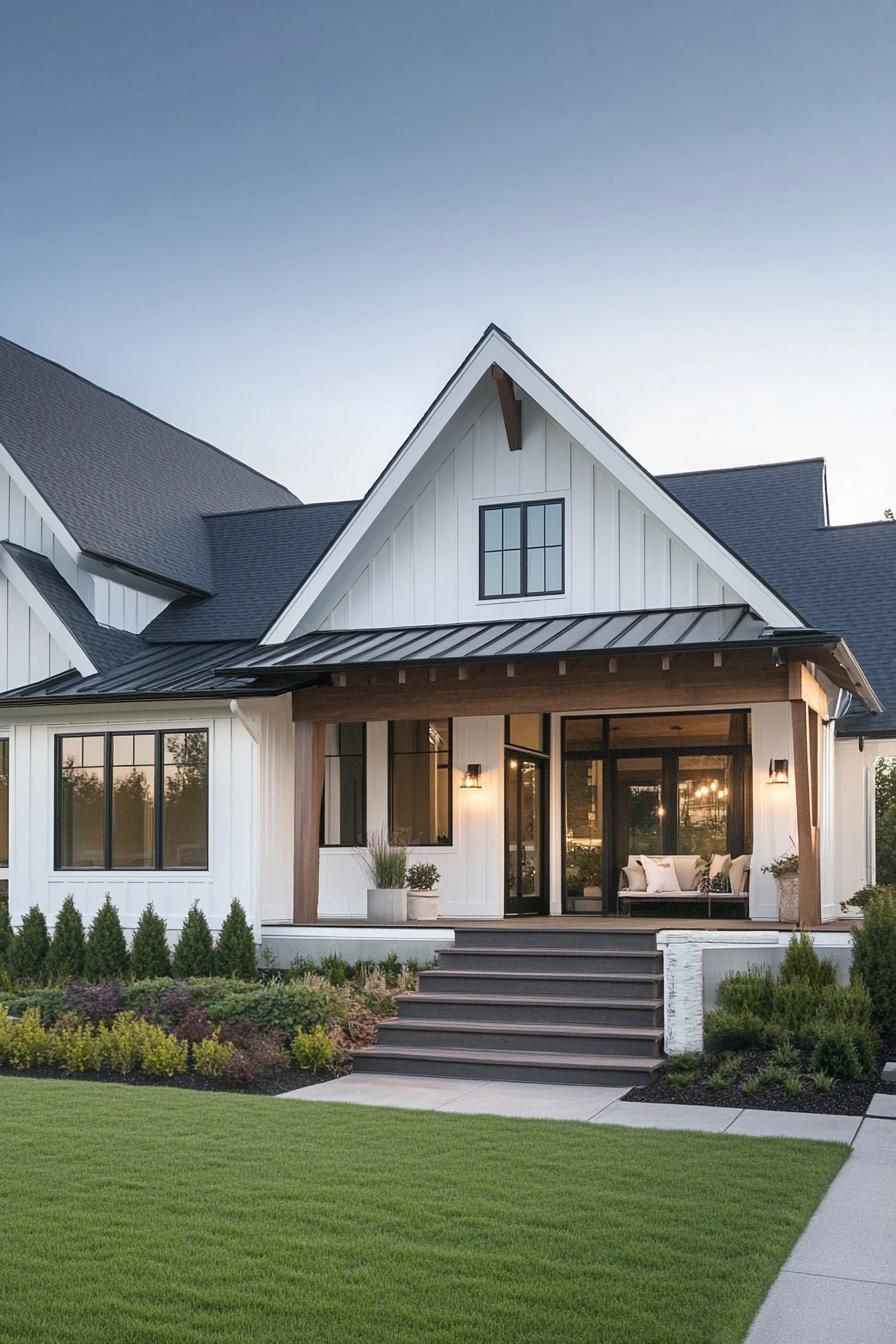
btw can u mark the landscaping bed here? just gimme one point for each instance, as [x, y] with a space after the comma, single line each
[270, 1085]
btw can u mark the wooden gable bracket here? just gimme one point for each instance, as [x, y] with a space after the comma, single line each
[511, 409]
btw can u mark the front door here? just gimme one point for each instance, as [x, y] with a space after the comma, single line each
[525, 868]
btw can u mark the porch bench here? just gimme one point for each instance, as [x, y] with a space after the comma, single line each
[691, 896]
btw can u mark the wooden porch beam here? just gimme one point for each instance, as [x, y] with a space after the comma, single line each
[309, 790]
[806, 725]
[511, 409]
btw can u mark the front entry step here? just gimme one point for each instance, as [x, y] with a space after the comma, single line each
[530, 1008]
[524, 1005]
[510, 1066]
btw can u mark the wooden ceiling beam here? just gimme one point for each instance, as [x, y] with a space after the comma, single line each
[511, 409]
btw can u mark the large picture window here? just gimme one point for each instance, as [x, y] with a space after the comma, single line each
[132, 800]
[4, 802]
[420, 781]
[344, 809]
[521, 549]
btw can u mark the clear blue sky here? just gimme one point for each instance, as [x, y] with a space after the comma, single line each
[281, 225]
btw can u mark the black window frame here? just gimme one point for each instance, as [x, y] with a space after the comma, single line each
[523, 507]
[390, 758]
[325, 844]
[157, 866]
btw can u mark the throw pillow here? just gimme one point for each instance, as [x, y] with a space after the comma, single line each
[738, 871]
[721, 882]
[701, 876]
[719, 863]
[635, 877]
[660, 875]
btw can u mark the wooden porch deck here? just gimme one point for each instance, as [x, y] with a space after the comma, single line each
[632, 924]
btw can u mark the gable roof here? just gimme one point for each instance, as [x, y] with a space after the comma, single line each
[105, 647]
[496, 347]
[843, 578]
[258, 560]
[127, 486]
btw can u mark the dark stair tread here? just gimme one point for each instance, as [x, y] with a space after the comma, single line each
[626, 977]
[539, 951]
[543, 1001]
[520, 1028]
[636, 1063]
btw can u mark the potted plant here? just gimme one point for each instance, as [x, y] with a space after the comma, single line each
[387, 865]
[585, 866]
[423, 898]
[785, 869]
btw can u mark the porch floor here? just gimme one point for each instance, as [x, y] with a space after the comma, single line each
[632, 924]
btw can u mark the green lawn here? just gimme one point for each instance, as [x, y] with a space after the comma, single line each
[138, 1214]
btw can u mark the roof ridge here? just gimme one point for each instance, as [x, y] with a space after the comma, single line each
[746, 466]
[869, 522]
[280, 508]
[73, 373]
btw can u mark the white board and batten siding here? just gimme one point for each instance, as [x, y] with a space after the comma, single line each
[234, 860]
[419, 563]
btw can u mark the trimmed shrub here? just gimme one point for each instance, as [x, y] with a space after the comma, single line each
[286, 1005]
[65, 959]
[77, 1049]
[794, 1005]
[194, 1026]
[195, 953]
[336, 969]
[734, 1031]
[211, 1056]
[802, 962]
[163, 1054]
[749, 991]
[235, 954]
[27, 953]
[107, 953]
[49, 1001]
[94, 1003]
[845, 1003]
[31, 1044]
[874, 961]
[8, 1030]
[312, 1049]
[121, 1043]
[150, 957]
[835, 1053]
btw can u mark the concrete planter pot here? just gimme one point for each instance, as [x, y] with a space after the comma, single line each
[387, 905]
[423, 905]
[788, 898]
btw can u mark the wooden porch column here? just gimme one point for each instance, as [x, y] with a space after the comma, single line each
[806, 725]
[309, 790]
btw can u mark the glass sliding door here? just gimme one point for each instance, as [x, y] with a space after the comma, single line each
[639, 806]
[583, 796]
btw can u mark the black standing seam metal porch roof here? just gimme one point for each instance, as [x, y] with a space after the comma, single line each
[659, 631]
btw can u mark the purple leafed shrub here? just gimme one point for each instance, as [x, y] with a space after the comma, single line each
[262, 1050]
[94, 1003]
[175, 1004]
[194, 1026]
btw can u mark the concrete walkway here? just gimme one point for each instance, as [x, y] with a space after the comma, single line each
[600, 1105]
[839, 1285]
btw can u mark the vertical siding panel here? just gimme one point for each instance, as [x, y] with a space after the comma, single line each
[580, 532]
[445, 533]
[425, 555]
[381, 605]
[557, 461]
[403, 568]
[657, 564]
[466, 582]
[631, 553]
[606, 541]
[359, 599]
[4, 634]
[684, 576]
[485, 440]
[16, 514]
[533, 458]
[709, 587]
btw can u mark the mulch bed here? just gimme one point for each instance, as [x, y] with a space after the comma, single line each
[286, 1080]
[845, 1099]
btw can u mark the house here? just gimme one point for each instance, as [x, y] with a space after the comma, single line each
[519, 649]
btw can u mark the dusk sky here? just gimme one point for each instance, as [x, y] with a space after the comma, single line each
[282, 225]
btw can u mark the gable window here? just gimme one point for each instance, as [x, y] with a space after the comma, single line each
[521, 549]
[4, 802]
[420, 781]
[132, 800]
[343, 818]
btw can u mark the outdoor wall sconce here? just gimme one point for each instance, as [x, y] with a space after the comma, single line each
[778, 771]
[472, 777]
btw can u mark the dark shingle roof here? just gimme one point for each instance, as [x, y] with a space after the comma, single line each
[105, 647]
[259, 560]
[841, 578]
[127, 486]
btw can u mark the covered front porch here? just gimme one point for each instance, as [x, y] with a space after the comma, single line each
[531, 760]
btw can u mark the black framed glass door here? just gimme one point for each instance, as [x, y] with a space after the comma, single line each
[525, 824]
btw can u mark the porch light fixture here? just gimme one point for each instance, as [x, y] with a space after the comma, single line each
[472, 777]
[779, 771]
